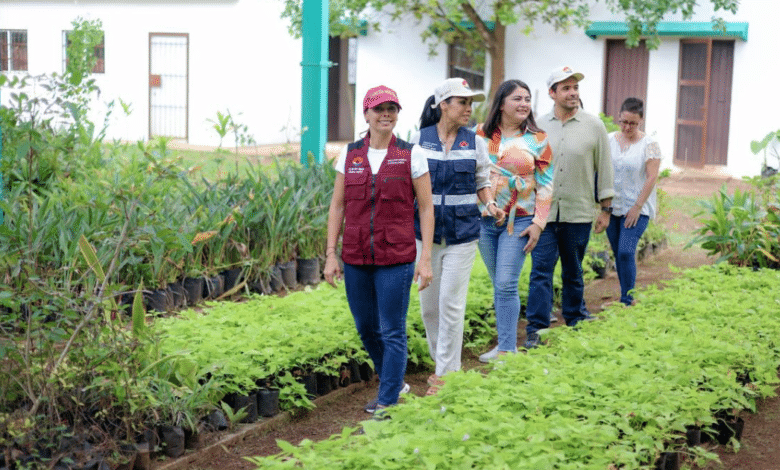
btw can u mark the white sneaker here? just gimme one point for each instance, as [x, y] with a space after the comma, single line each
[488, 356]
[405, 389]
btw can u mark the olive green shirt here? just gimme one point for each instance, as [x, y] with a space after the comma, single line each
[580, 148]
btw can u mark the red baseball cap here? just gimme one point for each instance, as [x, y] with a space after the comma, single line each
[378, 95]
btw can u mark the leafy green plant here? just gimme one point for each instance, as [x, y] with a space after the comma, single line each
[769, 145]
[609, 122]
[225, 124]
[630, 388]
[739, 230]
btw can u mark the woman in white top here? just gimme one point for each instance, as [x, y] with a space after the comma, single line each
[636, 158]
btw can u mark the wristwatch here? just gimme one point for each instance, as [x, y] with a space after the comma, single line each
[608, 210]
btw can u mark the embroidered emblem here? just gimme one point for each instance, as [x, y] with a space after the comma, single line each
[567, 69]
[463, 144]
[466, 85]
[357, 161]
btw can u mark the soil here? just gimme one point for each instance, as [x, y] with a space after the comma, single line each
[226, 450]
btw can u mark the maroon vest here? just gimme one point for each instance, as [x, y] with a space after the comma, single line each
[379, 209]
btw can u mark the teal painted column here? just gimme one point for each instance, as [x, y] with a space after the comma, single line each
[314, 83]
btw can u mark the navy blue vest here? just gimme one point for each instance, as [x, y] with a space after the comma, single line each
[454, 187]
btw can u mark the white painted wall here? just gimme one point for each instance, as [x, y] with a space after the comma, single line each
[397, 58]
[241, 58]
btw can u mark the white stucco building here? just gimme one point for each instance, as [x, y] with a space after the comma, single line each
[177, 63]
[707, 96]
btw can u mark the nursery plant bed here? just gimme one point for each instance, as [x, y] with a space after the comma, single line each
[344, 407]
[213, 445]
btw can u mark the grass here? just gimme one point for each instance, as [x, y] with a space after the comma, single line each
[215, 165]
[685, 207]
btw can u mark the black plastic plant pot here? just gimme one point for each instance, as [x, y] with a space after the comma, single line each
[128, 453]
[345, 375]
[157, 300]
[217, 420]
[214, 287]
[231, 277]
[97, 463]
[309, 271]
[693, 436]
[728, 428]
[191, 439]
[366, 372]
[172, 438]
[323, 384]
[668, 461]
[178, 295]
[249, 404]
[275, 281]
[268, 402]
[354, 367]
[193, 289]
[310, 384]
[289, 274]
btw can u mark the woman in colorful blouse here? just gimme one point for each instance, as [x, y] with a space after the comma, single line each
[521, 184]
[636, 158]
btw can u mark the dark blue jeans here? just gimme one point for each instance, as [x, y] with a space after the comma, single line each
[624, 241]
[378, 297]
[503, 256]
[569, 241]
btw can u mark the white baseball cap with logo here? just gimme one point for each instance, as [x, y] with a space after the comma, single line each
[560, 74]
[455, 87]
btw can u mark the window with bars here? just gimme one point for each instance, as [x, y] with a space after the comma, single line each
[13, 50]
[100, 53]
[471, 66]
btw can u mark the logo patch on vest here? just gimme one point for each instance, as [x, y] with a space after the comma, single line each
[463, 144]
[357, 161]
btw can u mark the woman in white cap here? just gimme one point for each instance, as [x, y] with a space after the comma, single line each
[460, 168]
[382, 185]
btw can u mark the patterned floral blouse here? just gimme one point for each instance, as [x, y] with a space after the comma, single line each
[521, 173]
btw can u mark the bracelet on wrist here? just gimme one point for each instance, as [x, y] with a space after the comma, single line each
[491, 202]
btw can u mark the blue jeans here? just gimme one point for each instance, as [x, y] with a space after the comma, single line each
[624, 241]
[569, 241]
[378, 297]
[503, 256]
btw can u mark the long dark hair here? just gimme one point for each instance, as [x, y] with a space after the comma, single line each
[633, 105]
[430, 115]
[493, 118]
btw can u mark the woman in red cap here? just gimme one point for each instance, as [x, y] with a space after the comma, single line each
[378, 180]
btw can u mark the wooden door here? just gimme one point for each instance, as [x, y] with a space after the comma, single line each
[625, 75]
[703, 102]
[341, 86]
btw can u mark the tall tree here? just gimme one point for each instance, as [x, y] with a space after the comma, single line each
[481, 25]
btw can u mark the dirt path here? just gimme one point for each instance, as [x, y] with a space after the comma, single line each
[344, 408]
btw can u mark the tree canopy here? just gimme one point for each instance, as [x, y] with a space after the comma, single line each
[481, 25]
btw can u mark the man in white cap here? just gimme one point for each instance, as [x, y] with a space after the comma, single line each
[580, 149]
